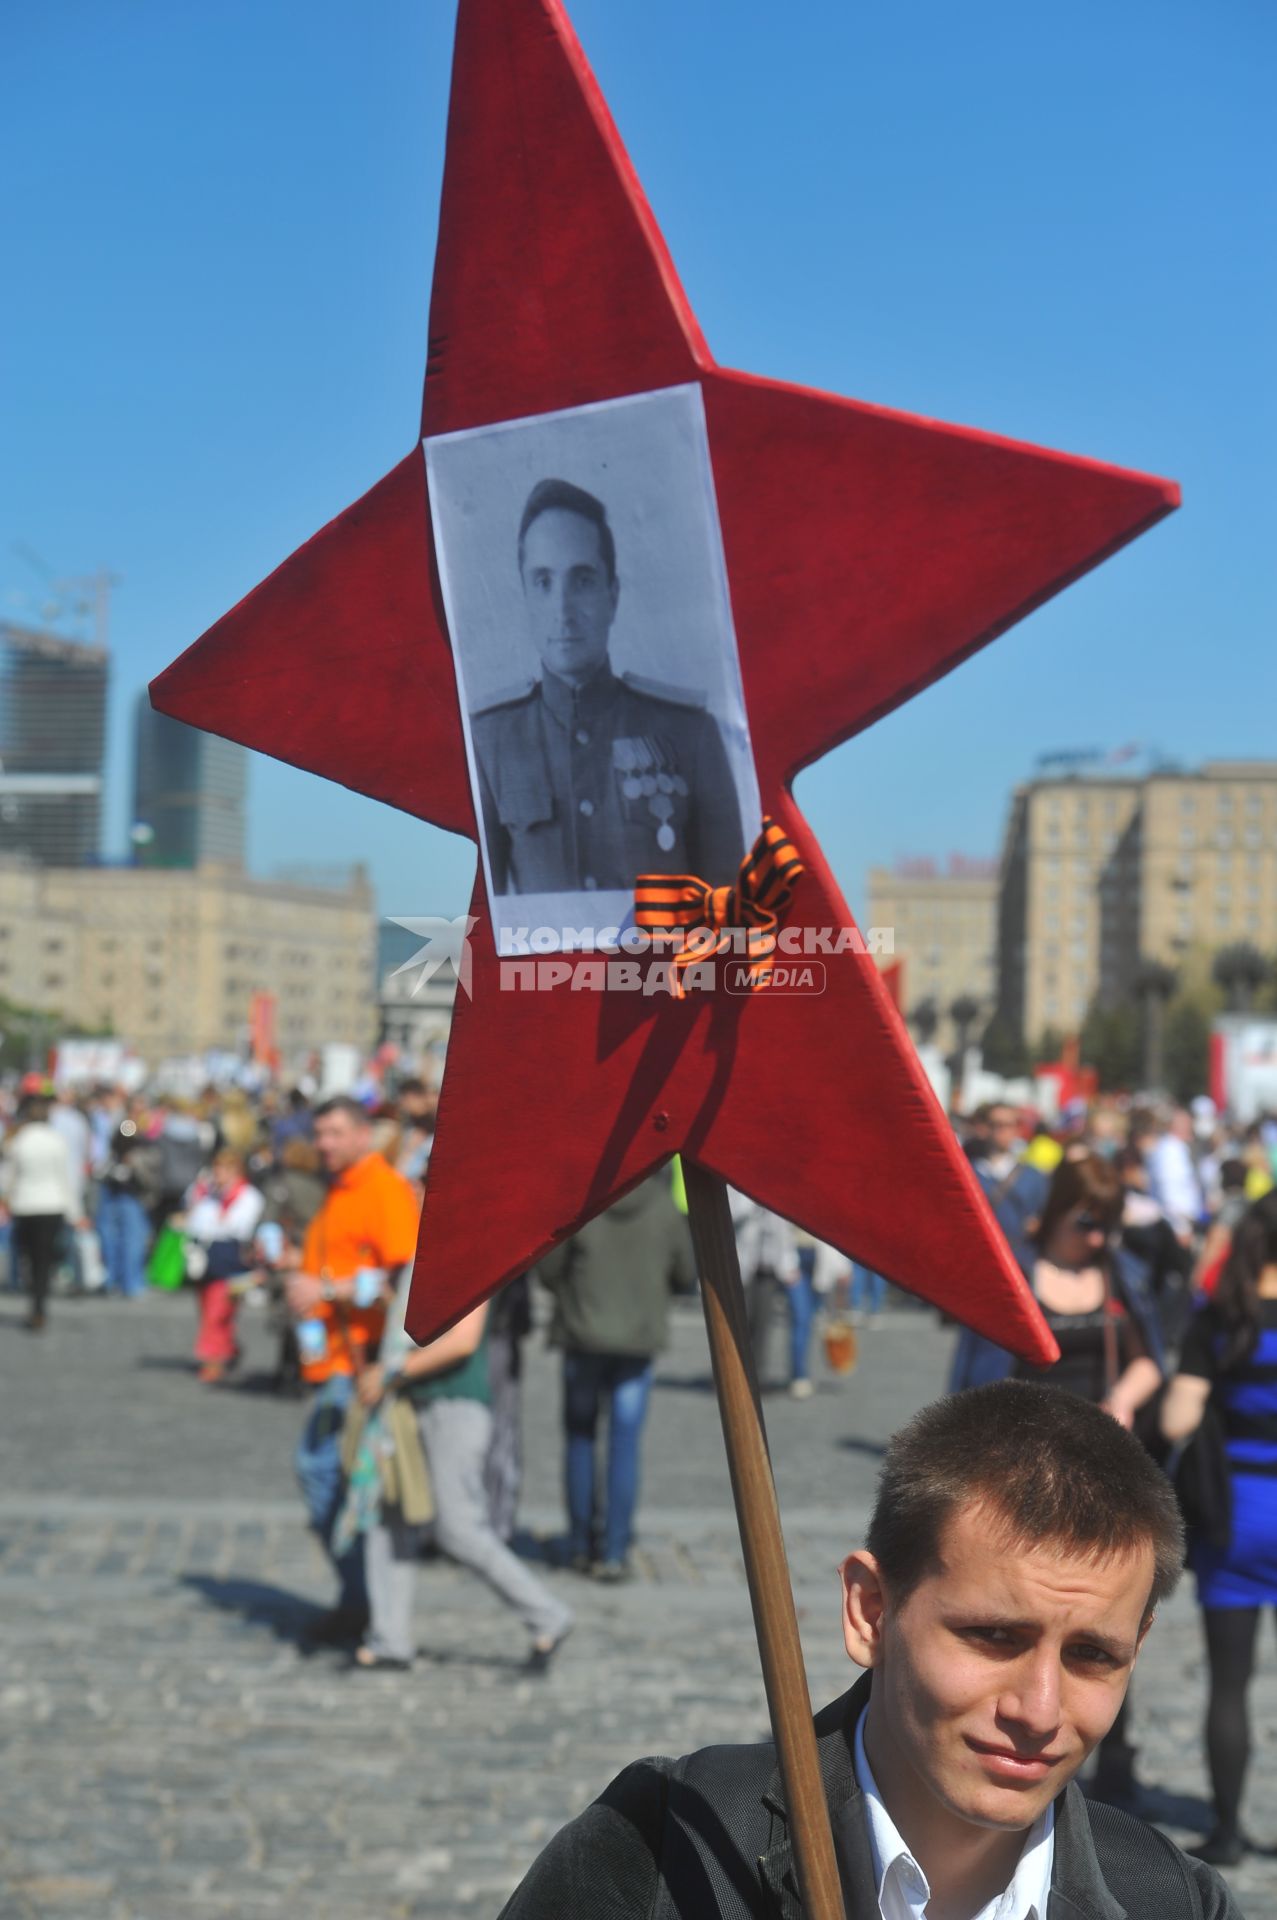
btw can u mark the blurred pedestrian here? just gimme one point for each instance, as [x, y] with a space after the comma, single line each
[801, 1301]
[68, 1118]
[509, 1324]
[125, 1184]
[1150, 1237]
[1095, 1299]
[355, 1249]
[222, 1214]
[1227, 1379]
[186, 1144]
[294, 1123]
[447, 1385]
[868, 1290]
[767, 1252]
[1016, 1190]
[293, 1189]
[417, 1106]
[38, 1190]
[1172, 1174]
[1232, 1209]
[611, 1284]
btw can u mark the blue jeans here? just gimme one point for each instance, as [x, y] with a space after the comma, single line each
[318, 1464]
[124, 1231]
[801, 1299]
[624, 1381]
[867, 1287]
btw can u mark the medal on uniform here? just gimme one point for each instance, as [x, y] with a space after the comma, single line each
[625, 761]
[662, 809]
[644, 766]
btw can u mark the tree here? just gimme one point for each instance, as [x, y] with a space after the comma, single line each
[1154, 983]
[1187, 1049]
[1047, 1045]
[28, 1033]
[1003, 1049]
[1110, 1042]
[924, 1020]
[964, 1012]
[1241, 970]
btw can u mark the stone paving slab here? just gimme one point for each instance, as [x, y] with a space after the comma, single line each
[169, 1752]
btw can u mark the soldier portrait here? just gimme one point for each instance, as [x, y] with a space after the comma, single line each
[614, 751]
[589, 777]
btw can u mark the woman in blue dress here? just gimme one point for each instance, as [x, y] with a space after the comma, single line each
[1229, 1360]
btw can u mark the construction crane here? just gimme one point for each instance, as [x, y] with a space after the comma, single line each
[78, 597]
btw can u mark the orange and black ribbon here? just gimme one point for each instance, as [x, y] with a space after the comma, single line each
[710, 916]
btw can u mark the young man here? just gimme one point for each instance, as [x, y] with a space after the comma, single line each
[1019, 1547]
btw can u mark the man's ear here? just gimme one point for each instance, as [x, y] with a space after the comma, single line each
[864, 1605]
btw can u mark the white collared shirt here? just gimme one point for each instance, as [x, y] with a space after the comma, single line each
[903, 1890]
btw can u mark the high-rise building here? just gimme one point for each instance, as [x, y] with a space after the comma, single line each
[1060, 837]
[945, 925]
[1197, 868]
[1100, 875]
[189, 791]
[52, 742]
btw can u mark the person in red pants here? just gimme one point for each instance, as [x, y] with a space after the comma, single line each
[223, 1213]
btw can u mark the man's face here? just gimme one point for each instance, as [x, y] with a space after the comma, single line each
[340, 1141]
[998, 1675]
[1002, 1129]
[570, 600]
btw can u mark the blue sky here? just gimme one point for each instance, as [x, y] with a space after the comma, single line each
[1053, 223]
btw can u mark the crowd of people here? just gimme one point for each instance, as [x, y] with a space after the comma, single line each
[1148, 1238]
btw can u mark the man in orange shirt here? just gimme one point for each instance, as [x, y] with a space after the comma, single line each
[356, 1246]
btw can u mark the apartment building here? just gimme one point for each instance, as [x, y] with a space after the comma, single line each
[945, 931]
[1100, 874]
[170, 960]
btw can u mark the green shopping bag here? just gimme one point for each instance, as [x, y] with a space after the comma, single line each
[166, 1267]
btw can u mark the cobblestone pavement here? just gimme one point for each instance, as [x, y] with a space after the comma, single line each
[170, 1752]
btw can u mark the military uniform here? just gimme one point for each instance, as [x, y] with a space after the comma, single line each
[588, 787]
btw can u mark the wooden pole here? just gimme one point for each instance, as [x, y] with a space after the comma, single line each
[758, 1516]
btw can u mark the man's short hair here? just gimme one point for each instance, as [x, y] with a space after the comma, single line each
[345, 1103]
[1056, 1469]
[547, 495]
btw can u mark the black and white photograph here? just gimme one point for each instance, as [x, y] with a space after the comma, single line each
[585, 590]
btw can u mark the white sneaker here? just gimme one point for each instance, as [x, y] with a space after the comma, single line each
[801, 1389]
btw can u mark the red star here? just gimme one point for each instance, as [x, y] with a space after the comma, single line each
[868, 553]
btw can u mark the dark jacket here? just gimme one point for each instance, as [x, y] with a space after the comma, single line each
[590, 787]
[706, 1838]
[612, 1281]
